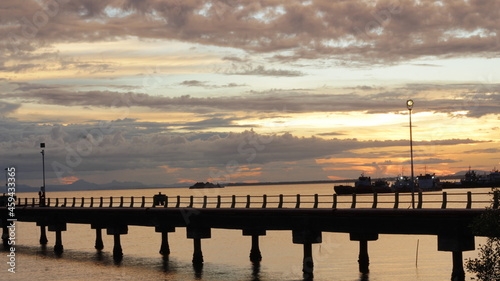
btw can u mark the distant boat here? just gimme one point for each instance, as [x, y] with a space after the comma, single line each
[402, 184]
[471, 179]
[382, 186]
[362, 185]
[205, 185]
[343, 189]
[428, 182]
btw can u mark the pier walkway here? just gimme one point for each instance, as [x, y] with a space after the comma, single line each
[364, 217]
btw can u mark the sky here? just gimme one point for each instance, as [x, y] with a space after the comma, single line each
[178, 91]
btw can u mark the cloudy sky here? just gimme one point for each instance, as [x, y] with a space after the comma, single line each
[177, 91]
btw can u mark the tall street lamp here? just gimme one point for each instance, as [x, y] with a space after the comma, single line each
[42, 189]
[409, 105]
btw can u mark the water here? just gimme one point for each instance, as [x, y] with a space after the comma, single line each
[392, 257]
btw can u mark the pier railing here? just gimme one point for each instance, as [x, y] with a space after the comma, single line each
[444, 200]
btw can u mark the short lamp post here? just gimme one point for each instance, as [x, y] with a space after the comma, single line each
[42, 189]
[409, 105]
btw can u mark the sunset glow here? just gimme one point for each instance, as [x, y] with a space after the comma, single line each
[246, 92]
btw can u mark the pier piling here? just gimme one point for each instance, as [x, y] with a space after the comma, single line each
[164, 230]
[117, 247]
[58, 247]
[307, 237]
[197, 253]
[255, 255]
[99, 245]
[458, 273]
[58, 228]
[363, 257]
[456, 243]
[164, 248]
[43, 234]
[116, 231]
[307, 262]
[198, 233]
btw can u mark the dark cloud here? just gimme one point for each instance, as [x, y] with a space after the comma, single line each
[236, 59]
[262, 71]
[205, 84]
[26, 87]
[427, 64]
[430, 161]
[470, 100]
[213, 123]
[331, 134]
[377, 31]
[193, 83]
[6, 108]
[125, 145]
[491, 151]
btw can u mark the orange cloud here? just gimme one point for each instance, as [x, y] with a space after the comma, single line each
[170, 170]
[69, 180]
[243, 171]
[185, 181]
[336, 178]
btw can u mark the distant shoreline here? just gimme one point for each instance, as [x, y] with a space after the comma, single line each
[92, 187]
[451, 177]
[288, 182]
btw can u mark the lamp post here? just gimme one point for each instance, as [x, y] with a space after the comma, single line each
[409, 105]
[42, 189]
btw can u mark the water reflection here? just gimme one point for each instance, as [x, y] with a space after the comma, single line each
[117, 259]
[198, 270]
[364, 277]
[58, 254]
[43, 250]
[256, 271]
[99, 256]
[165, 264]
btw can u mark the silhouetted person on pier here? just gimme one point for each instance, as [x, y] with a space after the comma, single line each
[159, 199]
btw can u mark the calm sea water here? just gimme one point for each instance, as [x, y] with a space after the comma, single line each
[392, 257]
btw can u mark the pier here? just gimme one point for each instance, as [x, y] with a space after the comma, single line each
[306, 217]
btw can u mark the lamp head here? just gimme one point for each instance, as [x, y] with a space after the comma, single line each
[409, 104]
[42, 145]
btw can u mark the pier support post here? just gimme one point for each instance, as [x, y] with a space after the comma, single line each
[58, 228]
[363, 257]
[458, 273]
[307, 237]
[456, 243]
[58, 247]
[116, 231]
[197, 253]
[43, 233]
[255, 255]
[99, 245]
[164, 248]
[117, 247]
[198, 233]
